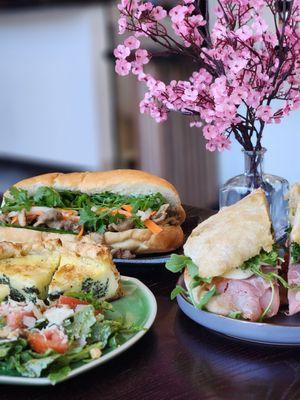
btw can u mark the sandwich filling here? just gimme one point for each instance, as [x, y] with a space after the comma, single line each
[249, 292]
[78, 213]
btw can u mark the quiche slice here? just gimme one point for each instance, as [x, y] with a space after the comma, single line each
[47, 269]
[26, 270]
[86, 267]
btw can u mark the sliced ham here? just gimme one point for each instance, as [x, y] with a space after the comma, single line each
[294, 294]
[249, 296]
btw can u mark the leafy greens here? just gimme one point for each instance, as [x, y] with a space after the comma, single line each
[95, 211]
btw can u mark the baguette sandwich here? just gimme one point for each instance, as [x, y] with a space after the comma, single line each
[132, 212]
[230, 262]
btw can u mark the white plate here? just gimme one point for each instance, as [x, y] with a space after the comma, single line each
[280, 330]
[130, 285]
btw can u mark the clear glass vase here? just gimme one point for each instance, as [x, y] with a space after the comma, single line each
[275, 188]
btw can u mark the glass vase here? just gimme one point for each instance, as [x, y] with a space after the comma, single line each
[253, 177]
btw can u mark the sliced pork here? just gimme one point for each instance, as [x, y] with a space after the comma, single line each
[294, 294]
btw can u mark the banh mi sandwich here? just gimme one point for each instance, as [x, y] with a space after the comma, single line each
[294, 250]
[230, 262]
[131, 211]
[49, 269]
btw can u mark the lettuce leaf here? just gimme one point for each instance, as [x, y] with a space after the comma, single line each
[82, 322]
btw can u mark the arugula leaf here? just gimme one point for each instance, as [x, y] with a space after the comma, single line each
[176, 291]
[48, 197]
[235, 315]
[177, 263]
[295, 252]
[206, 297]
[270, 258]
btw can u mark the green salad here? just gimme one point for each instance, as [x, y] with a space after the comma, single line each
[49, 340]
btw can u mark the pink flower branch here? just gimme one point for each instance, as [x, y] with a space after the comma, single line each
[241, 64]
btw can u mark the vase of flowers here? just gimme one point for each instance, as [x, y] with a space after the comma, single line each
[252, 178]
[246, 74]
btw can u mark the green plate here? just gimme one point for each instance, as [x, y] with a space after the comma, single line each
[137, 306]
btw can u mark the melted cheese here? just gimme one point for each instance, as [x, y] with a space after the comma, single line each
[29, 275]
[4, 291]
[238, 273]
[76, 274]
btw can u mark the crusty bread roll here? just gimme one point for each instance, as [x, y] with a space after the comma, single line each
[236, 233]
[138, 241]
[120, 181]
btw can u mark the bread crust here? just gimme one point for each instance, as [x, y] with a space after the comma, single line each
[236, 233]
[139, 241]
[142, 241]
[120, 181]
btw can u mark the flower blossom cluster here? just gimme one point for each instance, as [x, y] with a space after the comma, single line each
[241, 65]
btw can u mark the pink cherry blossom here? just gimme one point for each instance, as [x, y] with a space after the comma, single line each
[122, 25]
[132, 43]
[189, 95]
[122, 67]
[142, 56]
[211, 145]
[158, 13]
[121, 51]
[264, 113]
[210, 132]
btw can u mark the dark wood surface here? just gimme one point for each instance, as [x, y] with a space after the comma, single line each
[177, 360]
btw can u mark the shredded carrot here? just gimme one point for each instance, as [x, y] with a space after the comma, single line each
[81, 232]
[152, 226]
[153, 213]
[14, 220]
[127, 214]
[127, 207]
[68, 212]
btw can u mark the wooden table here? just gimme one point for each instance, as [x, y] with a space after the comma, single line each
[177, 360]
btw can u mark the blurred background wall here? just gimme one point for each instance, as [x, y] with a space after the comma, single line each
[62, 107]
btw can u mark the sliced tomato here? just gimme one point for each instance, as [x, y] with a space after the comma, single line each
[72, 302]
[14, 318]
[51, 339]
